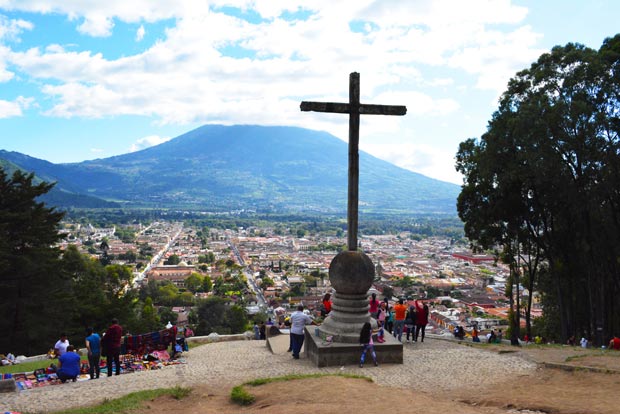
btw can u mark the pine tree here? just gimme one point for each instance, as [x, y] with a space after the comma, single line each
[29, 280]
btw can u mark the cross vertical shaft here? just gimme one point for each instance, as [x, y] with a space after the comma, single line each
[354, 108]
[354, 162]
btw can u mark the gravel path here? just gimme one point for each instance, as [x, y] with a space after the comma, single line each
[434, 364]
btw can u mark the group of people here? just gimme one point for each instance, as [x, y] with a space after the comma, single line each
[110, 346]
[400, 318]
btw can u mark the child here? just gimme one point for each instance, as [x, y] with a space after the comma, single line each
[381, 333]
[366, 341]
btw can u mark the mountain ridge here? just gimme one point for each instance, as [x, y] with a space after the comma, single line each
[218, 167]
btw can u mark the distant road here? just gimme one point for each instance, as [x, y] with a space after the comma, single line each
[249, 275]
[155, 260]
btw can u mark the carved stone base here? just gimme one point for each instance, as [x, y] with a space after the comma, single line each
[348, 315]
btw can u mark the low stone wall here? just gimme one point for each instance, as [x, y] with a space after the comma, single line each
[214, 337]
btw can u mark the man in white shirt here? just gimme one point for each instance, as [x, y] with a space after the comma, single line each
[61, 345]
[298, 320]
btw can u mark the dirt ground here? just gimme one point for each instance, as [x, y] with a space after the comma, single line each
[548, 390]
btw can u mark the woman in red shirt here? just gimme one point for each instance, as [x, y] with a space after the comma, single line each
[373, 306]
[327, 304]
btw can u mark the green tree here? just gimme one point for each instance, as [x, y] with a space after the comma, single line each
[168, 294]
[207, 284]
[167, 315]
[29, 275]
[388, 292]
[542, 183]
[149, 318]
[267, 282]
[194, 282]
[173, 260]
[236, 319]
[210, 313]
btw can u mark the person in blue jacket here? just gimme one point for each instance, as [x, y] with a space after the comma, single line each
[68, 365]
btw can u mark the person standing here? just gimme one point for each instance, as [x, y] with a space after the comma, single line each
[382, 313]
[410, 320]
[373, 305]
[112, 340]
[421, 320]
[256, 331]
[327, 304]
[367, 344]
[400, 310]
[93, 345]
[474, 335]
[389, 319]
[68, 365]
[61, 345]
[298, 320]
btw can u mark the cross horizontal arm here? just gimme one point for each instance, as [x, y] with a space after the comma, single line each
[334, 107]
[382, 109]
[344, 108]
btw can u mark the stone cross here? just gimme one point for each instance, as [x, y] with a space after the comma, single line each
[354, 108]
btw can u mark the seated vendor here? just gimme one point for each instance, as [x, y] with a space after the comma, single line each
[68, 365]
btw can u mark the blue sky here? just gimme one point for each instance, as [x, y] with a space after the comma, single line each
[82, 80]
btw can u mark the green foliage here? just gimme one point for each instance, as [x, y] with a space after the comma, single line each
[173, 260]
[126, 234]
[432, 292]
[542, 184]
[150, 318]
[456, 294]
[216, 314]
[194, 282]
[167, 315]
[405, 282]
[388, 292]
[240, 396]
[29, 275]
[267, 282]
[207, 284]
[206, 258]
[130, 402]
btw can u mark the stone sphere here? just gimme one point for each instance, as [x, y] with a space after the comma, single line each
[351, 273]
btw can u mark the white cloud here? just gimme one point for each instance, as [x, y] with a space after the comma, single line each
[97, 150]
[9, 109]
[420, 158]
[184, 77]
[15, 108]
[10, 29]
[147, 142]
[96, 25]
[140, 33]
[426, 54]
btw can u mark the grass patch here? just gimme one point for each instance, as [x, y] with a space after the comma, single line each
[574, 357]
[31, 366]
[262, 381]
[240, 395]
[129, 402]
[595, 353]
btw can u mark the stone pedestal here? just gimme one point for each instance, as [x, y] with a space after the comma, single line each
[351, 274]
[325, 354]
